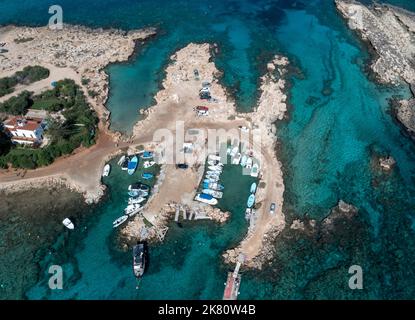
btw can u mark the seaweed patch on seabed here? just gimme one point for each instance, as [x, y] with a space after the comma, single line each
[28, 229]
[306, 240]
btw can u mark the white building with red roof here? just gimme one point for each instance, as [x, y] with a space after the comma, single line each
[25, 130]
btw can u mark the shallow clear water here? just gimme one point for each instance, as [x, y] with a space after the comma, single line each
[338, 119]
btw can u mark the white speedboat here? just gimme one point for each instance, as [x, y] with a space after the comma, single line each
[68, 223]
[136, 200]
[249, 163]
[214, 157]
[244, 160]
[212, 177]
[119, 221]
[121, 161]
[213, 193]
[234, 151]
[133, 209]
[215, 168]
[106, 171]
[236, 159]
[205, 198]
[148, 164]
[215, 163]
[255, 170]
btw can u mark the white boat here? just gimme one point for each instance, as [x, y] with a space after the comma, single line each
[249, 163]
[236, 159]
[210, 179]
[121, 161]
[215, 163]
[106, 171]
[228, 150]
[213, 173]
[132, 209]
[255, 170]
[234, 152]
[213, 193]
[244, 160]
[205, 198]
[148, 164]
[215, 168]
[136, 200]
[248, 213]
[68, 223]
[214, 157]
[119, 221]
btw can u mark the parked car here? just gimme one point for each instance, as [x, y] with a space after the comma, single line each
[272, 208]
[182, 166]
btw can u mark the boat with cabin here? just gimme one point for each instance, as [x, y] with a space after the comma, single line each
[148, 164]
[255, 170]
[132, 165]
[251, 201]
[147, 176]
[139, 259]
[68, 223]
[253, 187]
[213, 193]
[147, 155]
[119, 221]
[205, 198]
[106, 171]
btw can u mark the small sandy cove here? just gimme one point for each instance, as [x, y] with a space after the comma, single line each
[78, 53]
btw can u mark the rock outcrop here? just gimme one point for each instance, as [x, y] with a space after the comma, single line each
[391, 33]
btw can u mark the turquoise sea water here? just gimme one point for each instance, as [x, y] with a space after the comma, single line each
[338, 121]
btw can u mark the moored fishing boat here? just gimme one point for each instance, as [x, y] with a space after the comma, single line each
[211, 180]
[132, 165]
[205, 198]
[147, 155]
[214, 186]
[214, 157]
[215, 163]
[148, 164]
[136, 200]
[213, 193]
[147, 176]
[121, 161]
[139, 259]
[249, 163]
[133, 209]
[215, 168]
[255, 170]
[106, 171]
[236, 159]
[124, 164]
[234, 151]
[253, 188]
[119, 221]
[251, 201]
[243, 160]
[68, 223]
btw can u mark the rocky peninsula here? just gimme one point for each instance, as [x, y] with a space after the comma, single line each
[390, 31]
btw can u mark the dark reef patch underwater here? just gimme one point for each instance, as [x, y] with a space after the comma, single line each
[338, 117]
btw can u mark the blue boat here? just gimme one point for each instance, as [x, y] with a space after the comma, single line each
[147, 176]
[134, 193]
[147, 155]
[132, 165]
[253, 187]
[251, 201]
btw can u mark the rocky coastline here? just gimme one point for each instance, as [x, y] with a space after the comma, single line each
[390, 31]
